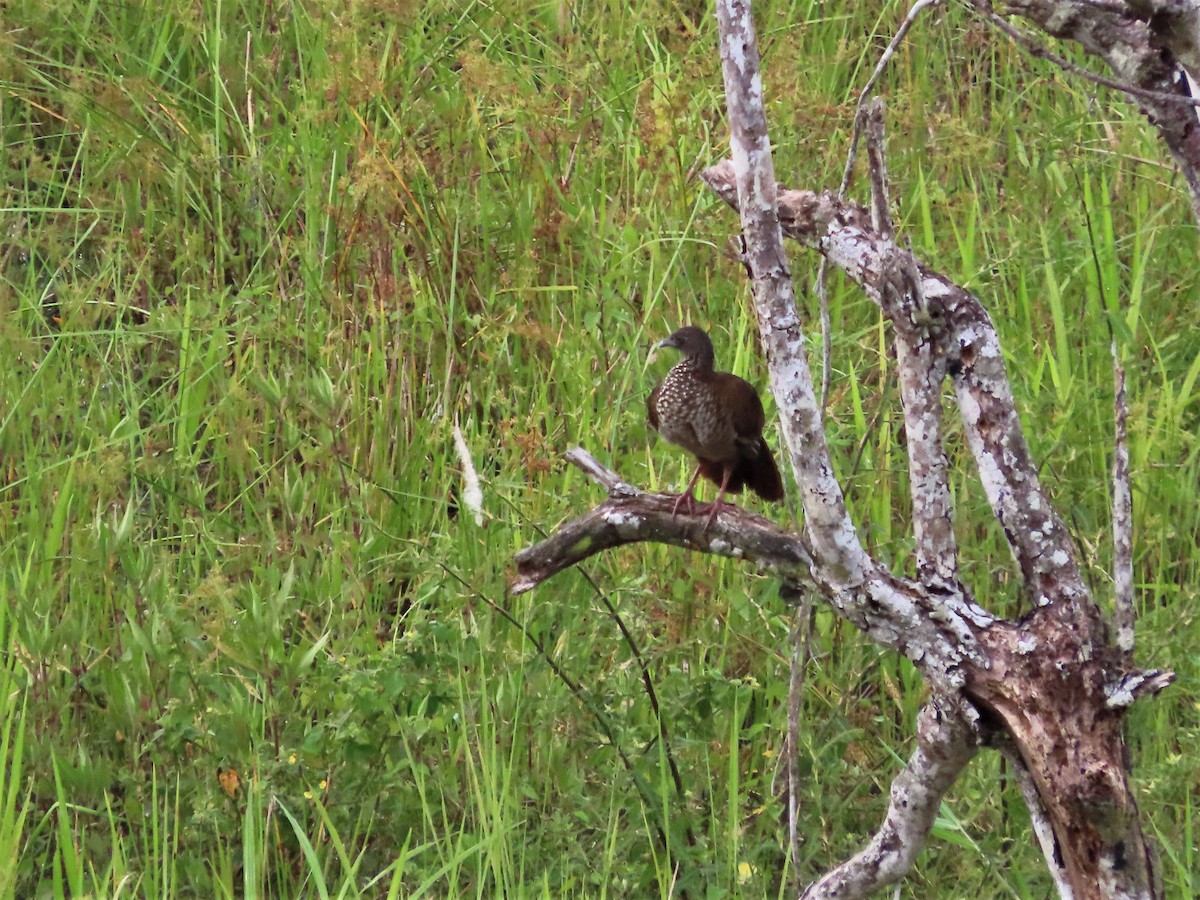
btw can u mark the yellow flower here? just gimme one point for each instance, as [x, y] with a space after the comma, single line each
[745, 872]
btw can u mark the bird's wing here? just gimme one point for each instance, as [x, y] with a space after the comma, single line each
[746, 413]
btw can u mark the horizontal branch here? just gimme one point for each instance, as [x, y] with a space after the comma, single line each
[631, 516]
[938, 629]
[1134, 685]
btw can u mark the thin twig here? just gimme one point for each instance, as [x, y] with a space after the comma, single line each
[881, 209]
[1036, 50]
[865, 94]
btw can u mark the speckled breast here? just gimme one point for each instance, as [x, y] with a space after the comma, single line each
[689, 416]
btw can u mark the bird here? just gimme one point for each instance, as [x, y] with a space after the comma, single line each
[718, 418]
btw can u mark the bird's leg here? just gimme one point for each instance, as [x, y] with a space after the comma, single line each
[687, 496]
[716, 504]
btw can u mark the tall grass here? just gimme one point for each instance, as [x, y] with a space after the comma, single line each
[258, 260]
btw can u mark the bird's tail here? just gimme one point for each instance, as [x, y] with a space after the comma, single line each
[757, 472]
[761, 473]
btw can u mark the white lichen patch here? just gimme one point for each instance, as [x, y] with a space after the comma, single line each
[621, 519]
[977, 615]
[969, 407]
[723, 547]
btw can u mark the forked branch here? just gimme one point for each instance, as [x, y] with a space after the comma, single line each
[947, 325]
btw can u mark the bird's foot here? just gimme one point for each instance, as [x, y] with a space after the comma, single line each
[685, 501]
[714, 508]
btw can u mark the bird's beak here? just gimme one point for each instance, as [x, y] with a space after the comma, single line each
[654, 348]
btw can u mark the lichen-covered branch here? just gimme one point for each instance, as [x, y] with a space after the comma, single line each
[1175, 24]
[921, 361]
[921, 376]
[631, 516]
[1039, 541]
[857, 585]
[936, 630]
[1050, 685]
[1048, 679]
[834, 540]
[946, 742]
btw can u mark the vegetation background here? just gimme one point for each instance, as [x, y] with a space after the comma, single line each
[256, 260]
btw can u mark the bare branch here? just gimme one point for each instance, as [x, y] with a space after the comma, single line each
[630, 516]
[946, 742]
[863, 95]
[851, 156]
[827, 522]
[861, 589]
[1133, 686]
[1176, 24]
[1122, 516]
[1036, 50]
[921, 375]
[936, 630]
[881, 211]
[1051, 682]
[595, 470]
[922, 369]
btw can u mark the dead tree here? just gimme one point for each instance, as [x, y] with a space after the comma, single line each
[1048, 690]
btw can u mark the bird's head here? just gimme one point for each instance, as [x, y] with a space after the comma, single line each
[690, 341]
